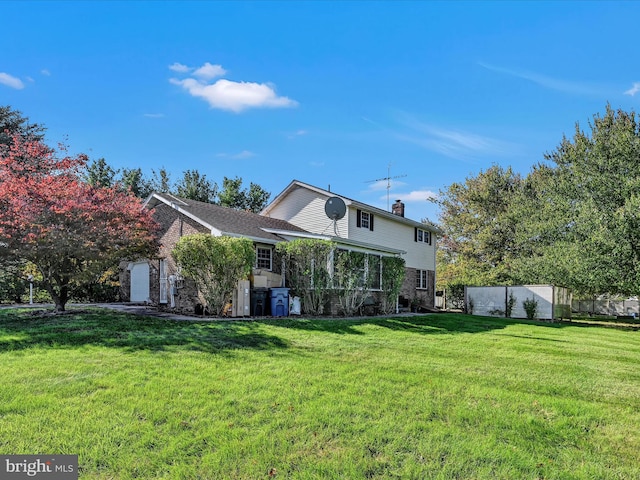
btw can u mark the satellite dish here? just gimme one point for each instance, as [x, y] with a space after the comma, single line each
[335, 208]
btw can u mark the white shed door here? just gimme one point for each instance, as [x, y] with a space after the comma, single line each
[139, 282]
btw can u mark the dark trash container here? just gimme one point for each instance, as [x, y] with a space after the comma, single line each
[280, 302]
[259, 305]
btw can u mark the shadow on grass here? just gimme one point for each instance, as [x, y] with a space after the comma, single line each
[22, 329]
[428, 324]
[424, 324]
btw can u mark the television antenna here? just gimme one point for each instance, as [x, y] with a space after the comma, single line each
[388, 178]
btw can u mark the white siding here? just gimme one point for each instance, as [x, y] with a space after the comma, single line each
[305, 209]
[393, 234]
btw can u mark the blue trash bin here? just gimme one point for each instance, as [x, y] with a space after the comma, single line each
[279, 302]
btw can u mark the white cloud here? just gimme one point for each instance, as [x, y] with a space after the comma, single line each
[178, 67]
[243, 154]
[226, 94]
[458, 144]
[560, 85]
[415, 196]
[235, 96]
[298, 133]
[45, 72]
[237, 156]
[634, 89]
[208, 71]
[154, 115]
[11, 81]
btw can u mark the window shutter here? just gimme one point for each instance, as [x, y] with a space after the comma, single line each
[429, 233]
[371, 222]
[415, 234]
[358, 215]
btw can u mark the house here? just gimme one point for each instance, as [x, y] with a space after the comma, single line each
[366, 228]
[297, 212]
[157, 281]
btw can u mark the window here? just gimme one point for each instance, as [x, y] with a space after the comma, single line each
[362, 268]
[422, 277]
[263, 258]
[423, 236]
[364, 220]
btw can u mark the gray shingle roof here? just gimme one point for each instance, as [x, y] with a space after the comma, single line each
[227, 220]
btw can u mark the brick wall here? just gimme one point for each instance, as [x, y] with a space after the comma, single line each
[174, 227]
[424, 297]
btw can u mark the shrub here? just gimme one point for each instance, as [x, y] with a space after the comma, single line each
[530, 306]
[305, 266]
[511, 302]
[216, 264]
[393, 273]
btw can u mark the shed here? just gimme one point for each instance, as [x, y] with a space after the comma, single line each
[552, 302]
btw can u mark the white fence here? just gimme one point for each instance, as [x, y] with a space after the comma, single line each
[628, 306]
[552, 302]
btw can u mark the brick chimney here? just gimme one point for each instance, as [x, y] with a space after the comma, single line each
[398, 208]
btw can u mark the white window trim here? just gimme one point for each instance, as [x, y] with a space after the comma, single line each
[270, 250]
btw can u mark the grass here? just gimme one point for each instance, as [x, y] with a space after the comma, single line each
[437, 396]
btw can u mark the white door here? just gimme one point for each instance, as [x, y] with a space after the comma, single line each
[139, 282]
[164, 282]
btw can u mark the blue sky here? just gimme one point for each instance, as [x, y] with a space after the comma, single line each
[330, 93]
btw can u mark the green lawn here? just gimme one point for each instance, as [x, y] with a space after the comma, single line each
[437, 396]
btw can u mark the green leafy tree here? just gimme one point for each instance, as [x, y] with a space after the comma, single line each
[161, 181]
[233, 196]
[479, 228]
[196, 186]
[132, 180]
[584, 209]
[99, 174]
[215, 264]
[257, 198]
[13, 123]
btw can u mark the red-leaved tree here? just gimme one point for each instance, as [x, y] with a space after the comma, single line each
[70, 230]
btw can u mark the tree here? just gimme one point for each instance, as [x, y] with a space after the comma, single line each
[232, 196]
[584, 209]
[13, 123]
[161, 181]
[195, 186]
[479, 228]
[69, 229]
[132, 180]
[215, 264]
[257, 198]
[99, 174]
